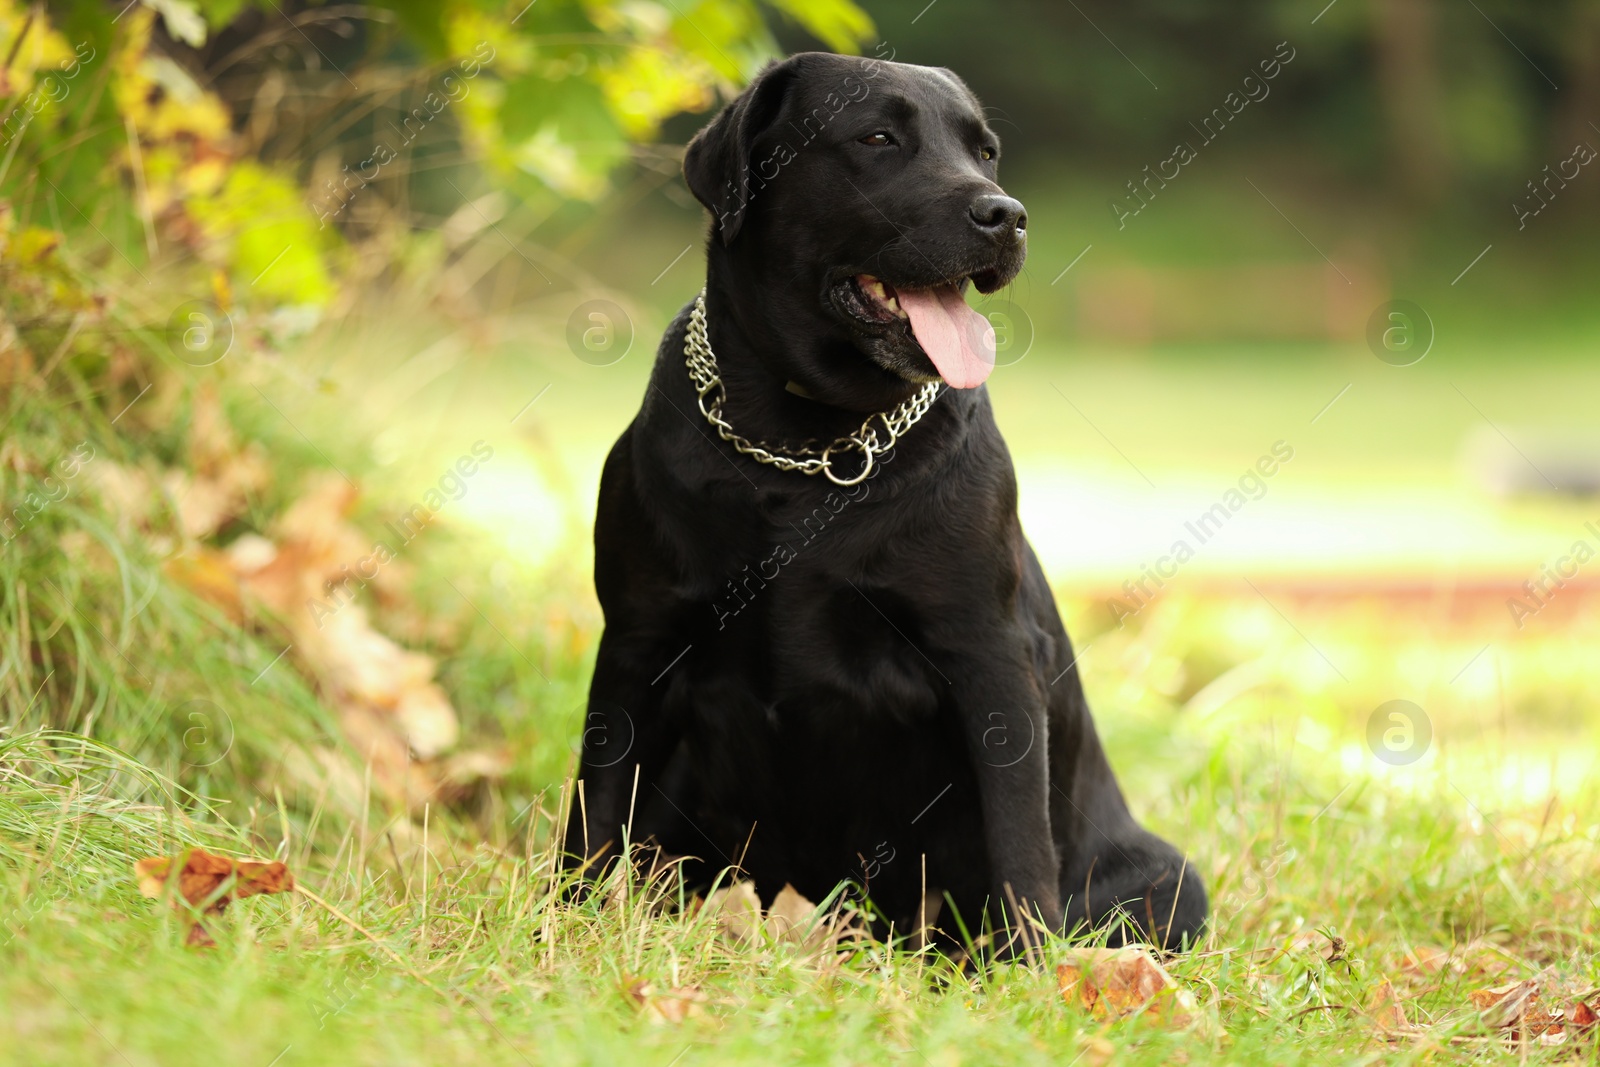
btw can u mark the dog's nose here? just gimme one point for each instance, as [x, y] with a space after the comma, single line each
[998, 215]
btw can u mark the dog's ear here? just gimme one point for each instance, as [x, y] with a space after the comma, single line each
[716, 164]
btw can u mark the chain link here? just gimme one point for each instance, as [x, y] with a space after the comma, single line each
[712, 394]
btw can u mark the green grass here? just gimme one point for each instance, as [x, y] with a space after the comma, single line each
[1238, 732]
[497, 970]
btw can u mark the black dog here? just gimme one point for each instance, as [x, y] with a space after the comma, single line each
[826, 660]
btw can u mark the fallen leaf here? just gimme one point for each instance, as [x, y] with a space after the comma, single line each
[202, 504]
[220, 476]
[671, 1005]
[126, 492]
[206, 573]
[1516, 1009]
[737, 910]
[202, 875]
[1385, 1009]
[792, 918]
[309, 574]
[1502, 1006]
[309, 570]
[1116, 983]
[363, 663]
[461, 773]
[249, 553]
[791, 915]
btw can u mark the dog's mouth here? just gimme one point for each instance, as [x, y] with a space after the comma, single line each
[957, 340]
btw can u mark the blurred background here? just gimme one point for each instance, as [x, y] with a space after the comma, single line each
[282, 267]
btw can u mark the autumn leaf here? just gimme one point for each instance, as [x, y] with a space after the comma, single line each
[308, 574]
[672, 1005]
[1501, 1006]
[1516, 1009]
[1385, 1009]
[792, 918]
[209, 882]
[206, 573]
[737, 910]
[1117, 983]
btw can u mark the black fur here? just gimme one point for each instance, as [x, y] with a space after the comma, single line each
[877, 687]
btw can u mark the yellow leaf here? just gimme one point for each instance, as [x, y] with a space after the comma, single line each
[1116, 983]
[1385, 1008]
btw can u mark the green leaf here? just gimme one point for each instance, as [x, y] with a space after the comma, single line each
[727, 34]
[839, 24]
[182, 19]
[276, 245]
[563, 133]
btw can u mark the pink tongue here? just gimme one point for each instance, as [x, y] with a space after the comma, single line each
[958, 339]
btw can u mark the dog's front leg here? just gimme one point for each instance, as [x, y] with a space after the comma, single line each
[1003, 716]
[622, 749]
[626, 738]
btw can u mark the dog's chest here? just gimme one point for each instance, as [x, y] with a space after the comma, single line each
[796, 642]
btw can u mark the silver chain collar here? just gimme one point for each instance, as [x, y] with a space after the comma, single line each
[702, 363]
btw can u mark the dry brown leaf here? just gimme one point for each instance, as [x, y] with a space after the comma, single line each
[250, 553]
[672, 1005]
[203, 875]
[317, 520]
[394, 714]
[363, 663]
[427, 720]
[1516, 1009]
[791, 915]
[208, 574]
[202, 505]
[382, 751]
[127, 492]
[216, 484]
[737, 910]
[1501, 1006]
[308, 573]
[461, 773]
[1115, 983]
[1385, 1009]
[792, 918]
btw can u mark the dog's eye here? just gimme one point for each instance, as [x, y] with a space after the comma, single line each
[877, 139]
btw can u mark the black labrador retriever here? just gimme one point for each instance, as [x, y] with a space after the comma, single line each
[829, 653]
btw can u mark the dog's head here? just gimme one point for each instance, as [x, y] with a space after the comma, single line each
[852, 202]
